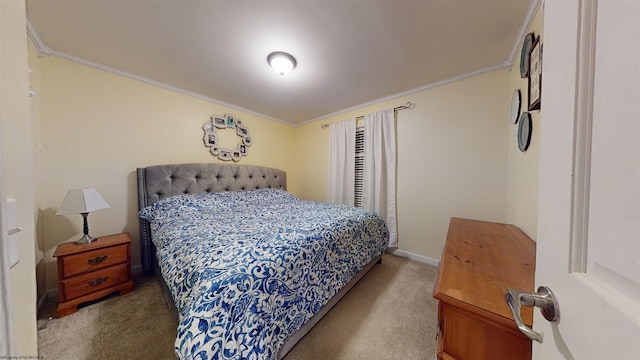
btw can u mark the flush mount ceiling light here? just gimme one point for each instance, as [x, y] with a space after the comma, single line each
[281, 62]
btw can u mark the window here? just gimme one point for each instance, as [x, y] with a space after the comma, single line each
[359, 175]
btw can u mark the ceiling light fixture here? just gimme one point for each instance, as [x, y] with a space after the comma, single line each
[281, 62]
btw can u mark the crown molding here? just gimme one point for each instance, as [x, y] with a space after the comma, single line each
[453, 79]
[35, 37]
[506, 65]
[524, 30]
[43, 49]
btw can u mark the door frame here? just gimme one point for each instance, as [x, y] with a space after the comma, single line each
[6, 318]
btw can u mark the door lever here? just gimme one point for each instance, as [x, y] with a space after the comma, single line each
[544, 299]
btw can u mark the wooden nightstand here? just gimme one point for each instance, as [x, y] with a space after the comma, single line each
[90, 271]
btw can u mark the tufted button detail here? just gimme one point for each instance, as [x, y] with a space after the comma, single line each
[242, 188]
[226, 189]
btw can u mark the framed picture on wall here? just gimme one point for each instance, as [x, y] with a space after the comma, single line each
[535, 75]
[242, 131]
[231, 121]
[236, 155]
[224, 155]
[242, 149]
[219, 122]
[210, 139]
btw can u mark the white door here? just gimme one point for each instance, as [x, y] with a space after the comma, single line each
[588, 249]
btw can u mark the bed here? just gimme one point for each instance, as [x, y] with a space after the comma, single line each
[246, 267]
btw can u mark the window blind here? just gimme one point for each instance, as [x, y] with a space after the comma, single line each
[359, 168]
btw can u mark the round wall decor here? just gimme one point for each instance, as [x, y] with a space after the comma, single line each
[524, 131]
[524, 55]
[515, 106]
[213, 129]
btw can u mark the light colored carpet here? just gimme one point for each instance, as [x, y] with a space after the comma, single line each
[133, 326]
[389, 314]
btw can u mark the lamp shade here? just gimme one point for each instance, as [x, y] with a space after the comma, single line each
[80, 201]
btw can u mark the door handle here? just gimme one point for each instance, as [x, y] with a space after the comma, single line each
[544, 299]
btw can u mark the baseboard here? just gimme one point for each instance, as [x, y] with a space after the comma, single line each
[416, 257]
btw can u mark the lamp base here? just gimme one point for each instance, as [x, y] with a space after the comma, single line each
[86, 238]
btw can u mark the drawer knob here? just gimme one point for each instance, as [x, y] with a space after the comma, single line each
[97, 260]
[98, 281]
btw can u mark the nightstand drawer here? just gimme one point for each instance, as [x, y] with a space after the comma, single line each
[94, 281]
[93, 260]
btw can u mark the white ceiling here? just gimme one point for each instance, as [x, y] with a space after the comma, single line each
[349, 52]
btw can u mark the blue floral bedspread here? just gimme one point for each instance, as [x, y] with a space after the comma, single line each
[247, 269]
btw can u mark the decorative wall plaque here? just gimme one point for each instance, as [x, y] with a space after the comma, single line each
[214, 128]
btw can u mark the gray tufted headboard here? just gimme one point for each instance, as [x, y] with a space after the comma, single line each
[162, 181]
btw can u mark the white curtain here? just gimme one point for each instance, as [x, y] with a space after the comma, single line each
[342, 154]
[379, 183]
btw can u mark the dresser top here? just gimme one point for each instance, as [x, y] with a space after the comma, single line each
[70, 248]
[480, 261]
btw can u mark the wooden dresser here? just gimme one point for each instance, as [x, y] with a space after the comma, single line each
[479, 262]
[90, 271]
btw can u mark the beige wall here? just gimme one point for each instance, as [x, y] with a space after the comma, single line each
[523, 166]
[18, 169]
[96, 128]
[452, 158]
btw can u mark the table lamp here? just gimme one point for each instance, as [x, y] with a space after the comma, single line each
[82, 201]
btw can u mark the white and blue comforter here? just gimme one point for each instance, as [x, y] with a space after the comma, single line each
[247, 269]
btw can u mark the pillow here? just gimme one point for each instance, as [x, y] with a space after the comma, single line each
[213, 201]
[179, 203]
